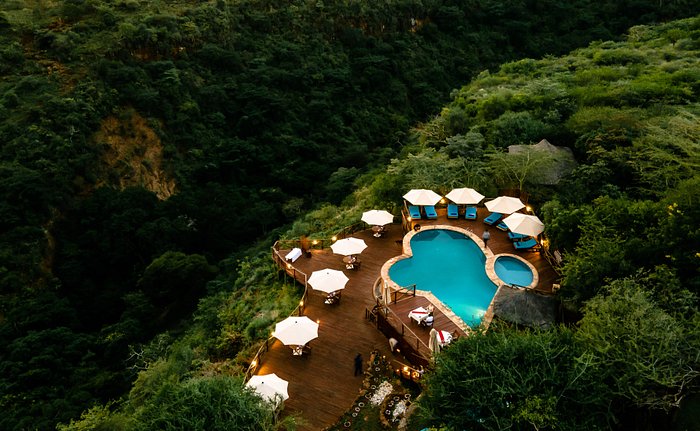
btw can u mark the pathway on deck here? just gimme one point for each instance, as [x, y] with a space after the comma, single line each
[321, 385]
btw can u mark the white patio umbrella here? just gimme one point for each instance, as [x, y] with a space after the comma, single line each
[296, 331]
[465, 196]
[422, 197]
[524, 224]
[269, 386]
[328, 280]
[377, 217]
[349, 246]
[504, 205]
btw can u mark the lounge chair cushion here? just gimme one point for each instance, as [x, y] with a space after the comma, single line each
[470, 213]
[493, 218]
[430, 212]
[293, 255]
[414, 212]
[517, 236]
[502, 226]
[523, 245]
[452, 211]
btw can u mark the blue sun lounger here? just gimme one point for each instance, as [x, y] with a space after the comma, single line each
[524, 245]
[414, 212]
[430, 211]
[517, 236]
[470, 213]
[502, 226]
[452, 211]
[493, 218]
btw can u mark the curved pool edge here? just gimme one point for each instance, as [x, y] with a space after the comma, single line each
[491, 271]
[408, 252]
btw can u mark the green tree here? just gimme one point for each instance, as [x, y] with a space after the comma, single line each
[513, 128]
[176, 279]
[647, 357]
[507, 379]
[216, 403]
[99, 418]
[516, 169]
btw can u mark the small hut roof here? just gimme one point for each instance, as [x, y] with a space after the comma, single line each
[525, 307]
[565, 160]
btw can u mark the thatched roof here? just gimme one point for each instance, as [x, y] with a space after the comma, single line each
[525, 307]
[564, 162]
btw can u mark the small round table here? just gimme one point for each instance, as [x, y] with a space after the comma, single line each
[378, 231]
[351, 262]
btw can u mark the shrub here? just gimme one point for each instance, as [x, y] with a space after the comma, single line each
[526, 66]
[621, 56]
[514, 128]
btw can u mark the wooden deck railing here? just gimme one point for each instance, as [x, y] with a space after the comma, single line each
[406, 371]
[319, 243]
[406, 224]
[298, 311]
[412, 347]
[299, 276]
[403, 292]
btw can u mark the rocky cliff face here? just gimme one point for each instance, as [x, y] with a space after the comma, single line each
[133, 155]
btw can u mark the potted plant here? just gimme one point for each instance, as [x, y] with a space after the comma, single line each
[305, 244]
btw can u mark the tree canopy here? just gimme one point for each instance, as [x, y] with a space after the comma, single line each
[150, 149]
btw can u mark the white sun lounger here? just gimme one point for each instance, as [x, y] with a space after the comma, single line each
[293, 255]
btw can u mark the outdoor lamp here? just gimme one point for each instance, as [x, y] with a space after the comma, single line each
[315, 242]
[333, 238]
[528, 208]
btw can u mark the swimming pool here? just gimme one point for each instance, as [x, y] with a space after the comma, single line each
[513, 271]
[451, 266]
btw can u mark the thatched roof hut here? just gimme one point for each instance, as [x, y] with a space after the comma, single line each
[525, 307]
[563, 160]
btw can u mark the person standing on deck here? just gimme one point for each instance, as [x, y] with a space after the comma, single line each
[486, 236]
[393, 342]
[358, 364]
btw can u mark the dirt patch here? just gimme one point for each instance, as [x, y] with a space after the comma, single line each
[133, 155]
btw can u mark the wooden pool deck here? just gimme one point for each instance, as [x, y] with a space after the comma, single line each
[321, 385]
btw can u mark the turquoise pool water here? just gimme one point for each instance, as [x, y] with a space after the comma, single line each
[513, 271]
[451, 266]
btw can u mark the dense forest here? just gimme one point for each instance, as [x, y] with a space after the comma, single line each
[151, 149]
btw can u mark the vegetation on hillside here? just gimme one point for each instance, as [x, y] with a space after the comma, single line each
[625, 221]
[147, 144]
[629, 244]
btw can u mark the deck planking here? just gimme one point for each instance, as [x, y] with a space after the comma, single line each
[321, 385]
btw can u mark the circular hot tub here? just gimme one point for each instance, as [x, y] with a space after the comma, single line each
[513, 271]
